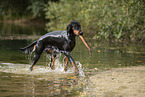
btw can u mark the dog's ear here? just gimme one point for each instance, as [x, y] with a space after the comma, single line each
[69, 28]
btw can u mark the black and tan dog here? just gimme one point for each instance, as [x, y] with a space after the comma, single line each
[57, 42]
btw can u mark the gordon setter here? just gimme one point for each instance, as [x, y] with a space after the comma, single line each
[57, 42]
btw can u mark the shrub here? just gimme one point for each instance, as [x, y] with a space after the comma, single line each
[106, 19]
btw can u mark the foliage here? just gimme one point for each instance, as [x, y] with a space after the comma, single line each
[37, 7]
[106, 19]
[103, 19]
[13, 9]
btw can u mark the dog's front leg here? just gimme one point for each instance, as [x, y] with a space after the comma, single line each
[67, 54]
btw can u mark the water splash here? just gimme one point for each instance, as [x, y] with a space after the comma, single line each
[81, 70]
[59, 68]
[40, 70]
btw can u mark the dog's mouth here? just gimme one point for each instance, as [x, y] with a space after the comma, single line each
[76, 32]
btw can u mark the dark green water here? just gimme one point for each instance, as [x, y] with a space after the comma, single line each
[14, 65]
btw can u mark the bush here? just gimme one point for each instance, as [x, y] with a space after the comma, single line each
[106, 19]
[19, 9]
[11, 9]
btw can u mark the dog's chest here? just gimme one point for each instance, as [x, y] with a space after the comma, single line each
[70, 46]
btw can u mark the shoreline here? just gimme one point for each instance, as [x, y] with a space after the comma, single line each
[30, 21]
[117, 82]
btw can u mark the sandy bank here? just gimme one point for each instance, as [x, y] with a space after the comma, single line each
[120, 82]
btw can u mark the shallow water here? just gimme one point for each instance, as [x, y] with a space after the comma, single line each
[16, 80]
[42, 81]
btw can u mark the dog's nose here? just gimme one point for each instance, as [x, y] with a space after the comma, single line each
[81, 32]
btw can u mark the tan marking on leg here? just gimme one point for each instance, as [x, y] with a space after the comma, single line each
[66, 63]
[31, 69]
[53, 63]
[34, 48]
[75, 68]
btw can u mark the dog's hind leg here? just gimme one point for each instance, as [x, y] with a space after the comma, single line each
[66, 63]
[36, 58]
[52, 61]
[37, 55]
[52, 57]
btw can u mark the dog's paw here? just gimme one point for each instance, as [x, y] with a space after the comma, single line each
[30, 69]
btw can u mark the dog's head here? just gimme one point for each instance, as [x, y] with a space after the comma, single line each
[74, 28]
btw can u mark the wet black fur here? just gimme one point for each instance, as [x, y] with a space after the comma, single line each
[57, 41]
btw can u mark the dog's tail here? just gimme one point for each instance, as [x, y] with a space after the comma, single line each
[30, 48]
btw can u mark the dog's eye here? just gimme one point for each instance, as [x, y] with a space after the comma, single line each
[76, 26]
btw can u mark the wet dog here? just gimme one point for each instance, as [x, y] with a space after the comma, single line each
[57, 42]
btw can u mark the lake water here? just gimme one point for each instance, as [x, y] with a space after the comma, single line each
[42, 81]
